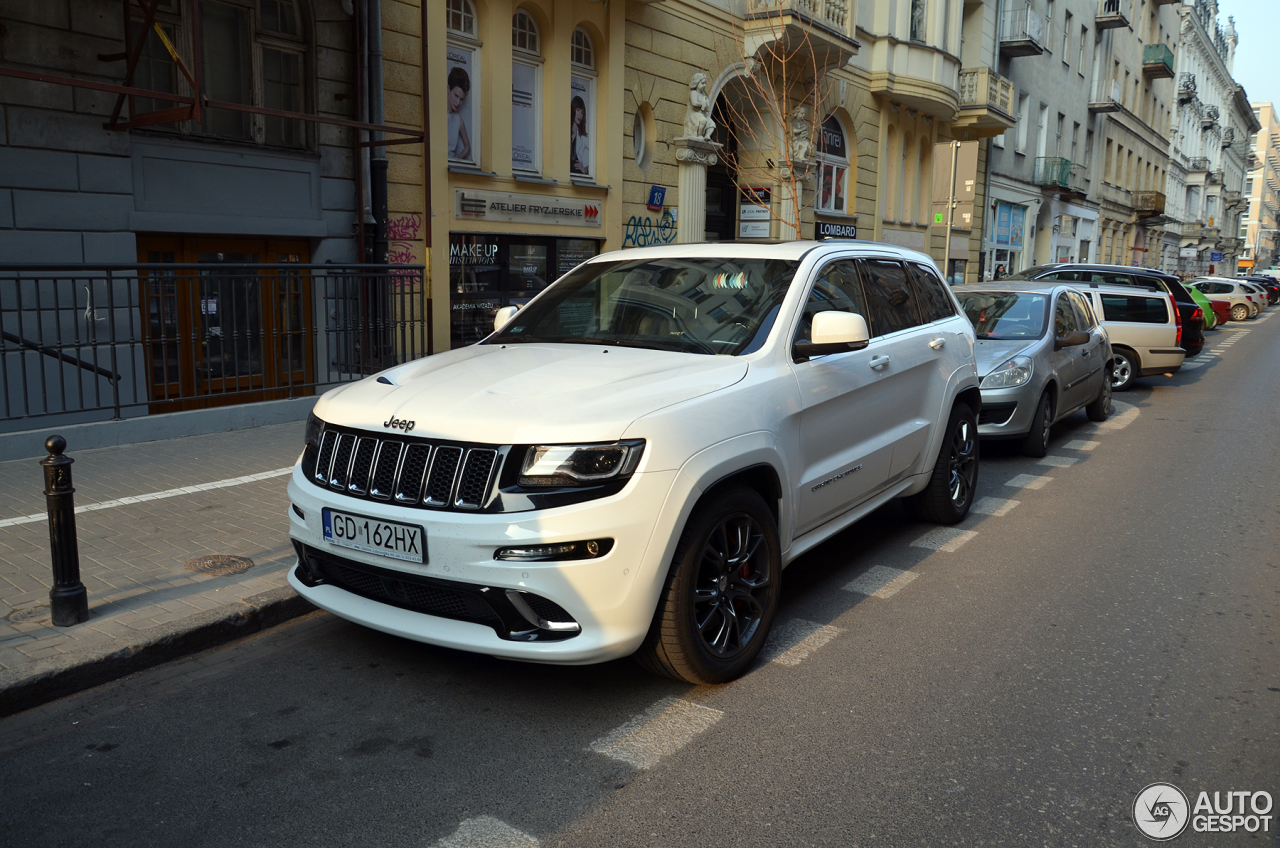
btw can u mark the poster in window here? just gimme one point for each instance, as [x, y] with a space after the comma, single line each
[581, 113]
[524, 116]
[461, 105]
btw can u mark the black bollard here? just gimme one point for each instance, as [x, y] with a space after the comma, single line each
[68, 599]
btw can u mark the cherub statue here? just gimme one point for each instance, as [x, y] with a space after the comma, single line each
[801, 143]
[697, 118]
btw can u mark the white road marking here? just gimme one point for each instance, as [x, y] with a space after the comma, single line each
[795, 640]
[1128, 413]
[945, 539]
[1029, 481]
[1080, 445]
[156, 496]
[880, 581]
[994, 506]
[1059, 461]
[487, 832]
[663, 729]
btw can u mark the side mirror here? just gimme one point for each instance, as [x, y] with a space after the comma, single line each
[504, 315]
[833, 332]
[1075, 339]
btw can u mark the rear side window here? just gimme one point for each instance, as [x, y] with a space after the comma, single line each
[935, 305]
[891, 304]
[1107, 278]
[1068, 276]
[1135, 310]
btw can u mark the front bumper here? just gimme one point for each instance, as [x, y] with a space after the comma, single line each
[1008, 413]
[612, 597]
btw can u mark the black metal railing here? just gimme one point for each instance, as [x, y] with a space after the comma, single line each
[82, 341]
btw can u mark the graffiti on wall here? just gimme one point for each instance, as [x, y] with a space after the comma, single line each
[405, 227]
[643, 230]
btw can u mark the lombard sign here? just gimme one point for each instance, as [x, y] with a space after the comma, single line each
[476, 205]
[827, 230]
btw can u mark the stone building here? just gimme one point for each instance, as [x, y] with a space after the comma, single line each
[1260, 226]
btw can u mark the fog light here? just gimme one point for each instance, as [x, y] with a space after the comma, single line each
[563, 551]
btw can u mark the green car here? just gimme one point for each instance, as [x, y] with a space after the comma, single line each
[1210, 320]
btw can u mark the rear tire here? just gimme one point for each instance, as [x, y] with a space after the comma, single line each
[721, 594]
[1101, 406]
[947, 498]
[1036, 442]
[1239, 312]
[1124, 370]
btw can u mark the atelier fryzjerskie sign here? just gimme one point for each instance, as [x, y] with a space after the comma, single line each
[476, 205]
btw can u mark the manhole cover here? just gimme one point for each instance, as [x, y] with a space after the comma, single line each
[219, 565]
[21, 616]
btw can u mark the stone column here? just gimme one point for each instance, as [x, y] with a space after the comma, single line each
[795, 176]
[694, 156]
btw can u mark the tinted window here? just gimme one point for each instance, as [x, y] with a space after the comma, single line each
[1138, 310]
[837, 289]
[1069, 276]
[930, 293]
[1108, 277]
[1064, 317]
[1084, 312]
[891, 303]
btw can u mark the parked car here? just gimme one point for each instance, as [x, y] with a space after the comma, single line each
[628, 462]
[1221, 308]
[1042, 356]
[1261, 297]
[1269, 283]
[1190, 313]
[1231, 291]
[1211, 319]
[1143, 330]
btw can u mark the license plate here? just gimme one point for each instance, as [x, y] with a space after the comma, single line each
[373, 535]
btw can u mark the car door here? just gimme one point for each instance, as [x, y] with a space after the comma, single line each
[1071, 364]
[846, 422]
[1095, 351]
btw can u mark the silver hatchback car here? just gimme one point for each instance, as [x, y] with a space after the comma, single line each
[1042, 355]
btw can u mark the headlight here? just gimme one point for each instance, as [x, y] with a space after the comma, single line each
[314, 428]
[573, 465]
[1013, 372]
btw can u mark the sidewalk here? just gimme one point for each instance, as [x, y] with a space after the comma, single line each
[143, 513]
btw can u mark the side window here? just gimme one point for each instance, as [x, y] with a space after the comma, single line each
[1069, 276]
[1064, 317]
[1108, 278]
[836, 289]
[891, 304]
[935, 305]
[1137, 310]
[1083, 311]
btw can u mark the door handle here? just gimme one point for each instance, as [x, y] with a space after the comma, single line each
[938, 344]
[878, 363]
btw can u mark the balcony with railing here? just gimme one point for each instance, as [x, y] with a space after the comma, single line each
[1197, 164]
[1157, 62]
[1060, 174]
[1112, 14]
[1186, 86]
[1209, 117]
[1214, 177]
[1192, 229]
[986, 103]
[1147, 203]
[1106, 96]
[1022, 33]
[819, 32]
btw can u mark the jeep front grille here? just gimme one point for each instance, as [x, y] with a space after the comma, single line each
[412, 472]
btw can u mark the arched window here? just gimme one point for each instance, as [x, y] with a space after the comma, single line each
[462, 69]
[582, 106]
[833, 167]
[526, 93]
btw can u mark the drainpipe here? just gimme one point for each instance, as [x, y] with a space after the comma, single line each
[378, 154]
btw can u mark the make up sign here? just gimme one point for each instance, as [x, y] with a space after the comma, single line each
[507, 207]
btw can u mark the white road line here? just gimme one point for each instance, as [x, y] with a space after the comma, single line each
[1029, 481]
[663, 729]
[945, 539]
[155, 496]
[880, 581]
[792, 642]
[994, 506]
[1128, 414]
[1080, 445]
[487, 832]
[1059, 461]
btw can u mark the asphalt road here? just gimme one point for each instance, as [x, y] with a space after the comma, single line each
[1016, 682]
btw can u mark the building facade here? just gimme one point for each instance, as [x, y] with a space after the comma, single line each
[1260, 227]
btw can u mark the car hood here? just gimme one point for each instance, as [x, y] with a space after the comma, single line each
[527, 393]
[991, 352]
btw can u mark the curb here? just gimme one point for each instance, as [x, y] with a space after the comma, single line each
[42, 681]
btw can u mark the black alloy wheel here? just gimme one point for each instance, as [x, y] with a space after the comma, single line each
[732, 588]
[949, 495]
[962, 462]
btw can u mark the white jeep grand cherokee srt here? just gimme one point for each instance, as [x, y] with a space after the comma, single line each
[629, 462]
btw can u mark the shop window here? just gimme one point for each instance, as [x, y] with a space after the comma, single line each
[833, 168]
[582, 107]
[526, 98]
[462, 72]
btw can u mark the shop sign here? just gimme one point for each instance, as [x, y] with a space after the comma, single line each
[836, 231]
[753, 212]
[1188, 253]
[1010, 223]
[1214, 256]
[477, 205]
[657, 198]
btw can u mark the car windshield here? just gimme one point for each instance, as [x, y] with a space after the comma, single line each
[717, 305]
[1005, 315]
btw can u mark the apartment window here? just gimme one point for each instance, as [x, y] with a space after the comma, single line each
[919, 17]
[462, 71]
[1084, 37]
[1042, 128]
[1107, 164]
[833, 168]
[1024, 119]
[1088, 151]
[1057, 143]
[1075, 141]
[1066, 40]
[1048, 22]
[526, 93]
[582, 105]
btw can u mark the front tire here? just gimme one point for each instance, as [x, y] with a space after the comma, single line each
[1036, 442]
[1124, 370]
[947, 498]
[1101, 406]
[721, 595]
